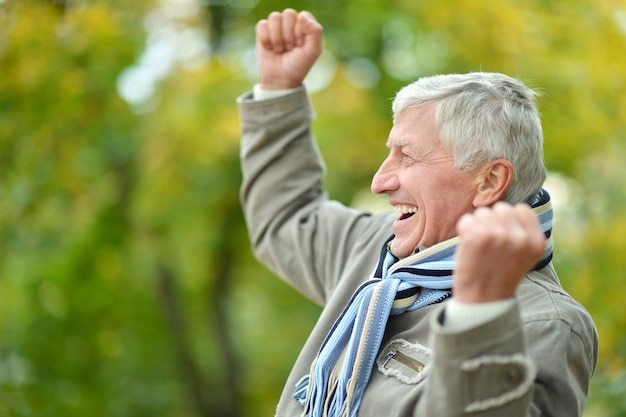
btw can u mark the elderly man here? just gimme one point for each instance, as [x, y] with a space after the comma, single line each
[450, 306]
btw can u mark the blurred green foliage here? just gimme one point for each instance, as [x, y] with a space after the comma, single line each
[127, 283]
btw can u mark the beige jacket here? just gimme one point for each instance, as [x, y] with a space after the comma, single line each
[534, 360]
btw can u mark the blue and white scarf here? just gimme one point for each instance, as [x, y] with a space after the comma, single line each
[342, 368]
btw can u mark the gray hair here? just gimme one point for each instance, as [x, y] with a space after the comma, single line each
[481, 117]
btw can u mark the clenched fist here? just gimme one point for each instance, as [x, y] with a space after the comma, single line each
[288, 44]
[499, 246]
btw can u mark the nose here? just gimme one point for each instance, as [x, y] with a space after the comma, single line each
[385, 179]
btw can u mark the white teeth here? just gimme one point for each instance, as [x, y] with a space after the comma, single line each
[405, 209]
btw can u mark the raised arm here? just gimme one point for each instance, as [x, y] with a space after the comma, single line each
[295, 230]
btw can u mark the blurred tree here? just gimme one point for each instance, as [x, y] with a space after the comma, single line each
[128, 287]
[76, 316]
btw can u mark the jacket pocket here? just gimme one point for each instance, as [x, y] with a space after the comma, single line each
[404, 360]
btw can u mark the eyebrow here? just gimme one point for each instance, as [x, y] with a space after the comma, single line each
[398, 144]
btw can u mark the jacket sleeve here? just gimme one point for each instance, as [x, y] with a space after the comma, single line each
[511, 368]
[295, 230]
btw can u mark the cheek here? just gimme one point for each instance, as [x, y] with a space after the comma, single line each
[446, 204]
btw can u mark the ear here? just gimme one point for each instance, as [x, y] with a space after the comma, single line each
[493, 181]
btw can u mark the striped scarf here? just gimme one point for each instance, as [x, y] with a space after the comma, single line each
[342, 368]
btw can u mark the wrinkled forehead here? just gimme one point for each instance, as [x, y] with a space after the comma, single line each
[415, 127]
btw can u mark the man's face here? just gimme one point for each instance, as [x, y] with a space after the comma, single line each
[423, 186]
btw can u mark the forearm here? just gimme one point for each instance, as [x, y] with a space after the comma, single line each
[281, 167]
[509, 366]
[482, 371]
[278, 157]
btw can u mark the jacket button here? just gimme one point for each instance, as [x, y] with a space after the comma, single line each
[514, 376]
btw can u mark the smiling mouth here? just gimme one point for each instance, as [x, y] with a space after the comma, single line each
[406, 211]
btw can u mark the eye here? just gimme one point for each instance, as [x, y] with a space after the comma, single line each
[406, 158]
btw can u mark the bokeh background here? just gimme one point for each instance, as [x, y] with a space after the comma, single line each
[127, 284]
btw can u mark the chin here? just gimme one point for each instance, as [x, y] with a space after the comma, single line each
[402, 251]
